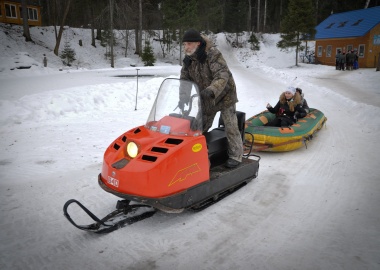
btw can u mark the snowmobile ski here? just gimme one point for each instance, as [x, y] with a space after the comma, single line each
[125, 214]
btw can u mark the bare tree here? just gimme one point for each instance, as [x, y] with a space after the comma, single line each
[139, 37]
[258, 16]
[249, 17]
[58, 41]
[111, 31]
[25, 21]
[55, 15]
[92, 26]
[265, 16]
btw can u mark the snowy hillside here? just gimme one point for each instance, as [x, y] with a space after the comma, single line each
[17, 53]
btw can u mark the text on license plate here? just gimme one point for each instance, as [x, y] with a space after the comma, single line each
[113, 181]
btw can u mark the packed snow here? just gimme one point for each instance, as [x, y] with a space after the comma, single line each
[312, 208]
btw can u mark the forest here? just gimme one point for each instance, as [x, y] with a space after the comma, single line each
[294, 19]
[212, 15]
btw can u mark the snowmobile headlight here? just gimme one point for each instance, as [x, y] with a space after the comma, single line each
[132, 149]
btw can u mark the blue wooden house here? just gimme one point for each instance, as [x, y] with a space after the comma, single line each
[357, 30]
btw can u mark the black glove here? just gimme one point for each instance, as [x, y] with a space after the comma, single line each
[298, 115]
[181, 104]
[207, 94]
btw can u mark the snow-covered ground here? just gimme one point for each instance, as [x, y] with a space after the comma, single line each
[314, 208]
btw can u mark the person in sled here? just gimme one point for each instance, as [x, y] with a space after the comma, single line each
[303, 101]
[288, 109]
[204, 65]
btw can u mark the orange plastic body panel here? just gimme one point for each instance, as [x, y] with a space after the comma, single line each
[166, 163]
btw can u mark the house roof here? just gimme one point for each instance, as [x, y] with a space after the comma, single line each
[355, 23]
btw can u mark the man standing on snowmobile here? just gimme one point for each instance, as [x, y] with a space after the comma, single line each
[205, 65]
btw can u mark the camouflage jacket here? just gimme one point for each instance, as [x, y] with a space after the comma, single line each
[212, 74]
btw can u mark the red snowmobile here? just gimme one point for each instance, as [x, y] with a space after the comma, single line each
[168, 164]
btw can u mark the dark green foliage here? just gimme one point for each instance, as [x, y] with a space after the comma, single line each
[147, 56]
[211, 15]
[236, 16]
[67, 55]
[255, 45]
[180, 14]
[299, 21]
[106, 38]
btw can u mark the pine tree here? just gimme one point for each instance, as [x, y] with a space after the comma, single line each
[299, 21]
[147, 56]
[68, 54]
[106, 41]
[255, 45]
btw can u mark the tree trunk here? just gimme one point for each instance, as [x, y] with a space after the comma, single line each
[25, 21]
[92, 27]
[265, 17]
[111, 35]
[126, 41]
[180, 47]
[280, 14]
[249, 19]
[140, 26]
[56, 49]
[48, 12]
[55, 19]
[258, 16]
[137, 41]
[298, 39]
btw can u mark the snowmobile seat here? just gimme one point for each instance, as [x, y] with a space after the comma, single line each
[217, 141]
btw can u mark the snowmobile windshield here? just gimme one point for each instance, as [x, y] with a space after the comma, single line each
[177, 109]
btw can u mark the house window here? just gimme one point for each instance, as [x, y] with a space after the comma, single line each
[331, 24]
[361, 50]
[328, 50]
[349, 48]
[10, 11]
[337, 50]
[32, 14]
[319, 51]
[342, 24]
[376, 39]
[357, 22]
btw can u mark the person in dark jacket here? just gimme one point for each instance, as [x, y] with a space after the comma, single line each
[350, 60]
[337, 60]
[205, 65]
[342, 61]
[303, 101]
[287, 109]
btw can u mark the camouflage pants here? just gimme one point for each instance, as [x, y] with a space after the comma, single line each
[235, 144]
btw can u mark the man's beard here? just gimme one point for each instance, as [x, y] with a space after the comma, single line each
[191, 52]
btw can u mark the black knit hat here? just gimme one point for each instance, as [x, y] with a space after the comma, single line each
[192, 35]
